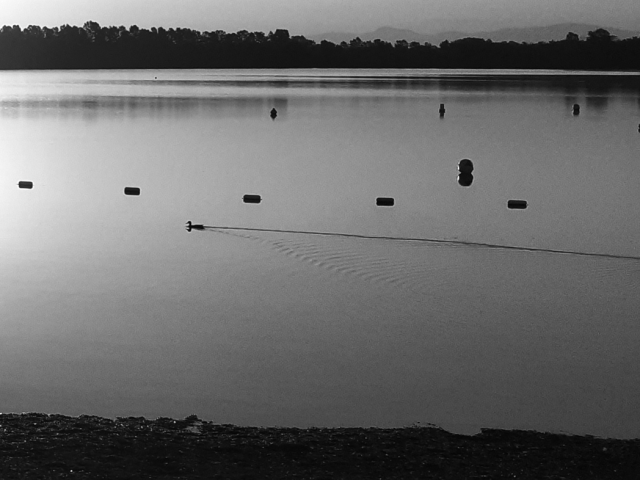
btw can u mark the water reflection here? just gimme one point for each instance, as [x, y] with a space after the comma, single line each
[270, 315]
[597, 104]
[555, 84]
[570, 101]
[90, 108]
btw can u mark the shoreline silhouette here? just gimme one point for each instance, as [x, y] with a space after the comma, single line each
[39, 445]
[95, 47]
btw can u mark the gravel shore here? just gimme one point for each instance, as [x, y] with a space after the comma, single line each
[36, 445]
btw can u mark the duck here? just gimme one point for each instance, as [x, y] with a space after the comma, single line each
[191, 226]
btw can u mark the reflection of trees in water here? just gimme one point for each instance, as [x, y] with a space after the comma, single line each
[570, 101]
[90, 108]
[599, 104]
[230, 100]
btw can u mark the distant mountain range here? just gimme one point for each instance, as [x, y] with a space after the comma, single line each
[520, 35]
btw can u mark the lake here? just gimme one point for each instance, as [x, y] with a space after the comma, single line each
[317, 307]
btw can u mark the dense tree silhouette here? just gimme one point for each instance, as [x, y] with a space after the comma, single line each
[93, 46]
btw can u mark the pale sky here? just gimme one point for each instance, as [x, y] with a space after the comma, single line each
[320, 16]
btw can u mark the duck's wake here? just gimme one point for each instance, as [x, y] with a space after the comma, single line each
[415, 266]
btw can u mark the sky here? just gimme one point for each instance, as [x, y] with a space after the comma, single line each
[322, 16]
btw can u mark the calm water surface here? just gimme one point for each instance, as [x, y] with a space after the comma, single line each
[110, 307]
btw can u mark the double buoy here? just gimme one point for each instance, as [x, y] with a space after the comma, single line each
[576, 109]
[273, 114]
[465, 167]
[442, 110]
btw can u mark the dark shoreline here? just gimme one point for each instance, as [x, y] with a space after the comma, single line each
[36, 445]
[94, 46]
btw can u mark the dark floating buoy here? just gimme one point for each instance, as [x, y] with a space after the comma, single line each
[190, 226]
[441, 111]
[576, 109]
[131, 191]
[385, 201]
[25, 184]
[465, 167]
[252, 199]
[274, 113]
[465, 179]
[517, 204]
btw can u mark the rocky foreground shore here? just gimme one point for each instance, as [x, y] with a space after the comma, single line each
[35, 445]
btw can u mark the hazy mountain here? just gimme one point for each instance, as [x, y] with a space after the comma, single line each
[552, 32]
[388, 34]
[335, 37]
[520, 35]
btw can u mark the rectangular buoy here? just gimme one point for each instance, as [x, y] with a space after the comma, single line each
[25, 184]
[251, 199]
[517, 204]
[131, 191]
[385, 201]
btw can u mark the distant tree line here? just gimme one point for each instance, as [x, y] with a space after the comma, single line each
[92, 46]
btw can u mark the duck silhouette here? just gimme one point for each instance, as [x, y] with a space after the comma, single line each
[190, 226]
